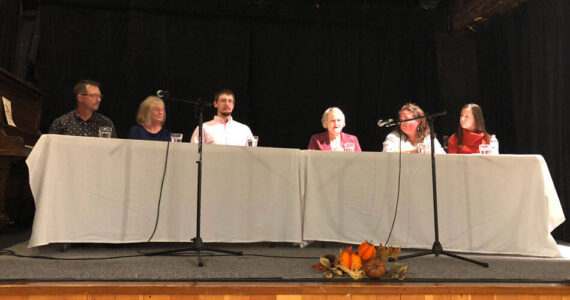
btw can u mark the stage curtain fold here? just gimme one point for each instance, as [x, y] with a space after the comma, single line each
[524, 67]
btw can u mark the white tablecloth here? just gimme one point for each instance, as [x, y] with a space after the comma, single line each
[487, 204]
[107, 190]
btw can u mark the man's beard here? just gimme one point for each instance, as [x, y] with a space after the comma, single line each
[226, 114]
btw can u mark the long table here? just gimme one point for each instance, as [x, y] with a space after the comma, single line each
[109, 190]
[486, 204]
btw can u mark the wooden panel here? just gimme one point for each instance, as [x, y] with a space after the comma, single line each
[388, 297]
[184, 297]
[73, 297]
[289, 297]
[265, 297]
[445, 297]
[450, 297]
[237, 297]
[414, 297]
[45, 297]
[15, 297]
[528, 297]
[506, 297]
[101, 297]
[128, 297]
[292, 297]
[461, 297]
[314, 297]
[280, 291]
[483, 297]
[338, 297]
[368, 297]
[210, 297]
[156, 297]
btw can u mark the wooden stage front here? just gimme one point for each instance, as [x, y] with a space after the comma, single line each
[280, 291]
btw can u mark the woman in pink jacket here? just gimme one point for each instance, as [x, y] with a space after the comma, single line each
[333, 139]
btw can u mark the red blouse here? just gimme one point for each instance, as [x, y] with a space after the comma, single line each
[471, 142]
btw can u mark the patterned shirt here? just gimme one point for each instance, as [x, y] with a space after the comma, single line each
[72, 124]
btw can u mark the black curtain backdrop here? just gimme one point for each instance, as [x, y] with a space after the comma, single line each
[287, 61]
[524, 67]
[9, 17]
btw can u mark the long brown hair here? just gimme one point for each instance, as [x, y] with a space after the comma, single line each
[479, 123]
[423, 128]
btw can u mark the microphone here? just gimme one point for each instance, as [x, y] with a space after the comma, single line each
[162, 94]
[440, 114]
[385, 123]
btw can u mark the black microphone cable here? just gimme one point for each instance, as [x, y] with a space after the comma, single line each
[160, 195]
[398, 194]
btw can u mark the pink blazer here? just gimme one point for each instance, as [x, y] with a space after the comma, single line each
[320, 141]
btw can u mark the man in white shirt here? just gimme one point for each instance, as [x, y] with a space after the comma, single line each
[223, 130]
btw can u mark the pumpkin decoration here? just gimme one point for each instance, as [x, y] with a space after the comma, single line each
[375, 267]
[366, 251]
[349, 259]
[368, 262]
[385, 252]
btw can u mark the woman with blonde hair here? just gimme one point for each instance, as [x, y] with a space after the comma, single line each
[471, 131]
[150, 119]
[333, 139]
[410, 134]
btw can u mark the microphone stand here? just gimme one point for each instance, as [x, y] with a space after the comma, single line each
[436, 248]
[197, 244]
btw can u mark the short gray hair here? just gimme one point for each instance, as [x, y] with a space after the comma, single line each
[328, 112]
[81, 86]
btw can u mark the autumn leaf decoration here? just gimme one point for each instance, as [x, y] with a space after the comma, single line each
[352, 264]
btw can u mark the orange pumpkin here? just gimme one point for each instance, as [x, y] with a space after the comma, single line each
[349, 259]
[366, 251]
[375, 267]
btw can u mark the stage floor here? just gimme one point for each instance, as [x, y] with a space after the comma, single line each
[263, 262]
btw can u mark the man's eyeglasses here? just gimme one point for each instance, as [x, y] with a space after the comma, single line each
[94, 96]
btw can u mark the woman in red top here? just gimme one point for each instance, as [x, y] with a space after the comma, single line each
[470, 133]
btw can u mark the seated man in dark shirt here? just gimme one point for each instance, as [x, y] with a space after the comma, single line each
[84, 120]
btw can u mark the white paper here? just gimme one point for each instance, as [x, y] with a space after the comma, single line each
[8, 111]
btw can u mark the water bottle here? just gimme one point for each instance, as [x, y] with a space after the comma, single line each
[494, 145]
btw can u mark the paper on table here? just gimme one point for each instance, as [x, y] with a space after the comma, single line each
[8, 111]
